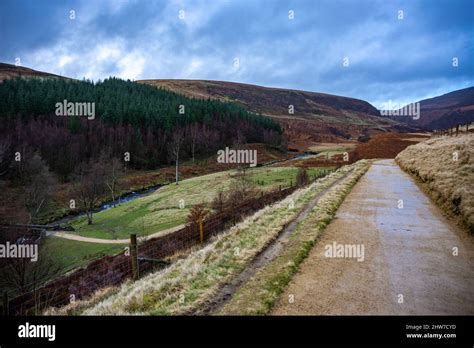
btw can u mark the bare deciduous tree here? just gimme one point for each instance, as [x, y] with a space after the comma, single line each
[5, 155]
[219, 201]
[302, 177]
[113, 170]
[90, 186]
[22, 275]
[239, 145]
[193, 135]
[39, 186]
[175, 149]
[241, 188]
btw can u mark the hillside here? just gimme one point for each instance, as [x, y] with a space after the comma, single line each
[317, 117]
[445, 165]
[120, 117]
[10, 71]
[270, 101]
[445, 111]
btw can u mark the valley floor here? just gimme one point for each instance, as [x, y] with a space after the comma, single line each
[409, 267]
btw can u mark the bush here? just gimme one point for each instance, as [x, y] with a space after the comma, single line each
[219, 202]
[197, 214]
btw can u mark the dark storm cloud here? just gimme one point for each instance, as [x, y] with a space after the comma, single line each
[389, 58]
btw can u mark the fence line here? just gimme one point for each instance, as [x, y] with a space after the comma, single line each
[114, 270]
[452, 130]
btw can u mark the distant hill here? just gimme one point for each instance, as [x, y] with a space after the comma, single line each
[447, 110]
[270, 101]
[10, 71]
[317, 116]
[69, 122]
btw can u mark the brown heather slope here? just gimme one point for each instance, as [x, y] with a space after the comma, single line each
[386, 145]
[445, 166]
[444, 111]
[271, 101]
[317, 117]
[10, 71]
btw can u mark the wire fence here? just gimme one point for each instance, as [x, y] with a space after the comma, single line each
[453, 130]
[148, 255]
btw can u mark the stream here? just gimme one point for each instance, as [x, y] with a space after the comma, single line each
[126, 197]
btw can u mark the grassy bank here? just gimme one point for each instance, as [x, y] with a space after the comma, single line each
[169, 206]
[139, 180]
[445, 167]
[191, 281]
[258, 295]
[70, 254]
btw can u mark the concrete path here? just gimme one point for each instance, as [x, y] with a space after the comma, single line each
[72, 236]
[409, 264]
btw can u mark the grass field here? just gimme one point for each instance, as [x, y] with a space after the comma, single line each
[151, 214]
[137, 180]
[197, 277]
[169, 206]
[69, 254]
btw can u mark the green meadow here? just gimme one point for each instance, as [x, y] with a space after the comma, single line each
[168, 206]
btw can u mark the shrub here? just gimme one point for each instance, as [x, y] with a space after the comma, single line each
[197, 214]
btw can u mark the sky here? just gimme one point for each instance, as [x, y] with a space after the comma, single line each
[377, 50]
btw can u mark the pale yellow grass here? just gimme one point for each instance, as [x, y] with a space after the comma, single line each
[190, 281]
[446, 166]
[258, 295]
[78, 306]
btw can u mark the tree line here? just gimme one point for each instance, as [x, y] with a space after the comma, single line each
[143, 121]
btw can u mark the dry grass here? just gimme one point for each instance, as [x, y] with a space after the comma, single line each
[190, 281]
[449, 181]
[76, 307]
[259, 294]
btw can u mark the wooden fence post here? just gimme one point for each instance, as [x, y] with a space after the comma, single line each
[134, 256]
[201, 230]
[6, 309]
[233, 213]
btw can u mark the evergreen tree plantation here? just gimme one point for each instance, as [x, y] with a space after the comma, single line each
[129, 118]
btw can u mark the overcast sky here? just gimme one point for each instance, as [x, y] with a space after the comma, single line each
[253, 41]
